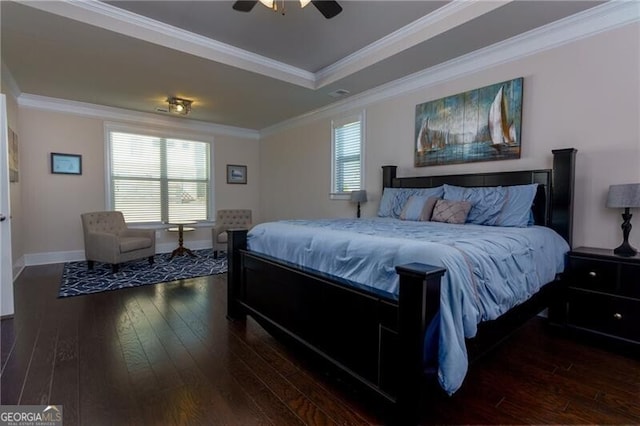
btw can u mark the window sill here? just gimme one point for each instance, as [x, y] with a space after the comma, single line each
[340, 196]
[159, 226]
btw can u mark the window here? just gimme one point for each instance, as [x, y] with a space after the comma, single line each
[347, 168]
[158, 179]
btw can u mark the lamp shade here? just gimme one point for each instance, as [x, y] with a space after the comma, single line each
[358, 196]
[623, 196]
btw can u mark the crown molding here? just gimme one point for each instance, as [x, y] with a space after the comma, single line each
[609, 16]
[453, 14]
[121, 21]
[9, 82]
[123, 115]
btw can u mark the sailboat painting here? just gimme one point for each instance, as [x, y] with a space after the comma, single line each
[479, 125]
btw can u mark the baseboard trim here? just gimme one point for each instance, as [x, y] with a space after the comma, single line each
[47, 258]
[18, 267]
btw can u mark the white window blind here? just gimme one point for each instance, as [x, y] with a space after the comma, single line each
[156, 179]
[347, 155]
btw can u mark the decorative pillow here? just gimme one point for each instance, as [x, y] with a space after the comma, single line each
[394, 199]
[517, 207]
[486, 202]
[451, 211]
[419, 207]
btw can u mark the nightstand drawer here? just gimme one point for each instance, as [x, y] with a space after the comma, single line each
[593, 275]
[616, 316]
[630, 280]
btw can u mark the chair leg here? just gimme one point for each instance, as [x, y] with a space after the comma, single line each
[215, 254]
[90, 264]
[114, 268]
[151, 260]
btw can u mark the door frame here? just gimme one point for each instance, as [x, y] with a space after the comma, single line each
[6, 263]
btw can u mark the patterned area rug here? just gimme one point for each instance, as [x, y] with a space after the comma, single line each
[77, 279]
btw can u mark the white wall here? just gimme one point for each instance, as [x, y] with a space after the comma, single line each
[52, 204]
[583, 95]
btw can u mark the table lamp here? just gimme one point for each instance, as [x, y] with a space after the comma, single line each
[624, 196]
[359, 197]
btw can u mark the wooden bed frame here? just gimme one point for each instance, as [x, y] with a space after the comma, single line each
[373, 337]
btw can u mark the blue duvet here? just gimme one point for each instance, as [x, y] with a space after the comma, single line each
[489, 269]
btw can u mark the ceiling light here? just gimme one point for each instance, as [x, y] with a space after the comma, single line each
[273, 4]
[179, 105]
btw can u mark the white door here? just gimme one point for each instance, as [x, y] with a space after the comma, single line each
[6, 264]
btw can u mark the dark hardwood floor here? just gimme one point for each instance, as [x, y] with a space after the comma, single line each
[165, 354]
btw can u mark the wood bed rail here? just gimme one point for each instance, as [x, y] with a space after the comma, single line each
[236, 241]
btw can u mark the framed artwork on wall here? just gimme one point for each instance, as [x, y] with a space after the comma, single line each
[67, 164]
[13, 156]
[236, 174]
[479, 125]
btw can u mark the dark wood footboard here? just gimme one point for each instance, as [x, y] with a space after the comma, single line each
[373, 337]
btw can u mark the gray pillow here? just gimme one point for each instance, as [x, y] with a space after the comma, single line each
[419, 207]
[449, 211]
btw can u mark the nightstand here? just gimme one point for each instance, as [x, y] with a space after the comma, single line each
[603, 295]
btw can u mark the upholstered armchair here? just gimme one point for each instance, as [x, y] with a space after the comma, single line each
[228, 219]
[108, 239]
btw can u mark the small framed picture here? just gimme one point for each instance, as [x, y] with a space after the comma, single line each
[67, 164]
[236, 174]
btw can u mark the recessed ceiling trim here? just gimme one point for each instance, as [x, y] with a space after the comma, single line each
[124, 22]
[449, 16]
[124, 115]
[606, 17]
[121, 21]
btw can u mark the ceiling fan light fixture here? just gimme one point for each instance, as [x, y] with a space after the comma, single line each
[179, 105]
[328, 8]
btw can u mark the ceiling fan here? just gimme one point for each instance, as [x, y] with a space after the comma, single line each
[328, 8]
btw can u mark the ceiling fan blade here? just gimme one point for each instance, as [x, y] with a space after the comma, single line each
[328, 8]
[244, 5]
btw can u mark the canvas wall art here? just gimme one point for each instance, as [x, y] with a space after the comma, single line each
[13, 156]
[479, 125]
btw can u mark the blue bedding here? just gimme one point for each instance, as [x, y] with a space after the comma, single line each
[489, 269]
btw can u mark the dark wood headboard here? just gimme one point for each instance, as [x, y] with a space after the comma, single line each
[552, 205]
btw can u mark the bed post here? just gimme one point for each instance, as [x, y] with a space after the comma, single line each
[388, 175]
[236, 241]
[564, 163]
[418, 303]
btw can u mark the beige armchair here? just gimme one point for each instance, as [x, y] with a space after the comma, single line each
[107, 239]
[228, 219]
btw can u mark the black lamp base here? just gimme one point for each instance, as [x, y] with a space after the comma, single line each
[625, 249]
